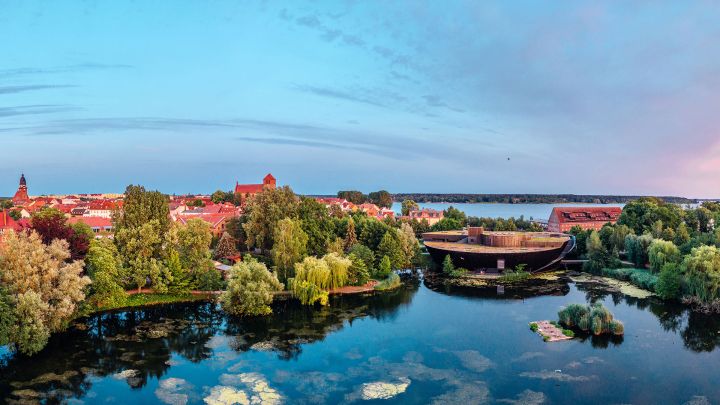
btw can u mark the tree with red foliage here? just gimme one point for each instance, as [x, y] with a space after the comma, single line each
[51, 224]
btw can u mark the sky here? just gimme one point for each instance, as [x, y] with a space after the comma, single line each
[410, 96]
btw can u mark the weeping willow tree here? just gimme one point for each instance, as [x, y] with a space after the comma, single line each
[702, 273]
[314, 277]
[590, 318]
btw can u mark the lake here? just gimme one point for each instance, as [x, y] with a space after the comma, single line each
[414, 345]
[534, 211]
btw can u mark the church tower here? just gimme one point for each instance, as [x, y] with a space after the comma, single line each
[21, 195]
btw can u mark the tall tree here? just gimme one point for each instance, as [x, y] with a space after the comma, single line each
[46, 288]
[390, 247]
[317, 224]
[355, 197]
[350, 236]
[264, 210]
[409, 205]
[290, 247]
[381, 198]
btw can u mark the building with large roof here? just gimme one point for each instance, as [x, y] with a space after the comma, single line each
[493, 251]
[562, 219]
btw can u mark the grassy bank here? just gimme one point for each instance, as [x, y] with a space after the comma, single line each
[142, 300]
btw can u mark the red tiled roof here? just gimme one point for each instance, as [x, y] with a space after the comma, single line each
[586, 214]
[248, 188]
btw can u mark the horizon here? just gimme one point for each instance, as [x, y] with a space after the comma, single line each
[586, 98]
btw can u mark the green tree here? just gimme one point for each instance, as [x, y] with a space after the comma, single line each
[381, 198]
[364, 253]
[193, 244]
[314, 277]
[109, 278]
[7, 315]
[358, 273]
[384, 269]
[661, 252]
[372, 233]
[390, 247]
[446, 224]
[409, 245]
[250, 289]
[234, 227]
[350, 236]
[336, 245]
[264, 210]
[180, 280]
[669, 285]
[454, 213]
[317, 224]
[448, 266]
[289, 248]
[618, 237]
[409, 205]
[15, 214]
[682, 236]
[597, 254]
[702, 273]
[31, 334]
[656, 229]
[138, 247]
[139, 208]
[355, 197]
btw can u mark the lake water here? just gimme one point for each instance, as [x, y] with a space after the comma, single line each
[534, 211]
[414, 345]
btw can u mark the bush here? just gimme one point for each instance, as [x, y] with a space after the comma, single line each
[393, 281]
[595, 318]
[639, 277]
[533, 326]
[210, 280]
[358, 273]
[250, 289]
[568, 333]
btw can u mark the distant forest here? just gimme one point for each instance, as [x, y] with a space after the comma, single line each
[528, 198]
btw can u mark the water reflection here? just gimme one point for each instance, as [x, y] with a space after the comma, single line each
[137, 345]
[435, 355]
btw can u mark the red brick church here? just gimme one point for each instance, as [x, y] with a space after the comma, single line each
[249, 190]
[21, 196]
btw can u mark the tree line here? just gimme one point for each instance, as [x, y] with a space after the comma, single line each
[529, 198]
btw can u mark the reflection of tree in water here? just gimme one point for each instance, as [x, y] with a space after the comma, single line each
[698, 331]
[293, 325]
[701, 333]
[138, 342]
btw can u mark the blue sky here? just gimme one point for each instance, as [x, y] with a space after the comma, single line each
[190, 96]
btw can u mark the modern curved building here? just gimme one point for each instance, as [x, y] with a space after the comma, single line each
[495, 251]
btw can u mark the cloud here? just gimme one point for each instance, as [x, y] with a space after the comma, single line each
[23, 71]
[34, 109]
[31, 87]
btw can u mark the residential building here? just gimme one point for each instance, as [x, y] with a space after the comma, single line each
[428, 214]
[101, 226]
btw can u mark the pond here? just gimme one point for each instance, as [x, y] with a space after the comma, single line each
[413, 345]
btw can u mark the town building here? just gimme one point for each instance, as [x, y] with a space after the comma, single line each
[495, 251]
[245, 191]
[562, 219]
[426, 214]
[21, 195]
[7, 223]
